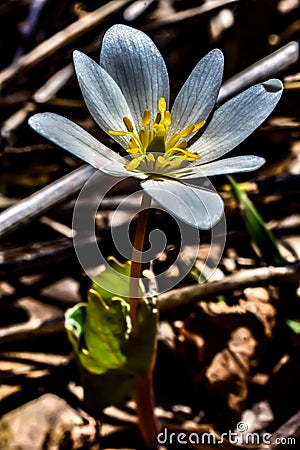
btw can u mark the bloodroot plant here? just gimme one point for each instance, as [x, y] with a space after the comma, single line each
[170, 150]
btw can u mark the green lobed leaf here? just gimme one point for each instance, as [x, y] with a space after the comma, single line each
[75, 322]
[106, 330]
[100, 330]
[115, 274]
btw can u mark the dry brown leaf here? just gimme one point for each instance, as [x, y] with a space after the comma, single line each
[228, 372]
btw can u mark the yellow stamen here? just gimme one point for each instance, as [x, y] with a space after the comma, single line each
[182, 144]
[117, 133]
[185, 154]
[128, 124]
[132, 143]
[167, 120]
[146, 118]
[150, 158]
[187, 131]
[134, 163]
[133, 151]
[162, 105]
[152, 148]
[199, 125]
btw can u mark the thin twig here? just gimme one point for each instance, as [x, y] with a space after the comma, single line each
[61, 39]
[245, 278]
[188, 14]
[42, 95]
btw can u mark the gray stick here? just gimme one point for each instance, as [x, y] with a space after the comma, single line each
[36, 204]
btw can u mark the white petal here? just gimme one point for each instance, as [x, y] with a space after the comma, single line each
[245, 163]
[102, 96]
[117, 168]
[196, 206]
[76, 140]
[198, 95]
[234, 121]
[134, 62]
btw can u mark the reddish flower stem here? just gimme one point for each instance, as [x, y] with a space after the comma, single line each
[136, 262]
[144, 395]
[145, 403]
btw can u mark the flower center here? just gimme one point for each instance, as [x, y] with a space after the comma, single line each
[153, 151]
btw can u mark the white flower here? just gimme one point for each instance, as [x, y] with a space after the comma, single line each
[128, 96]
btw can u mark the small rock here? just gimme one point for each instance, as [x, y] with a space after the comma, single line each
[43, 424]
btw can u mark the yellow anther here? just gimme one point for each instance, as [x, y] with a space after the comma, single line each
[128, 124]
[167, 120]
[146, 118]
[187, 131]
[182, 144]
[199, 125]
[150, 158]
[133, 150]
[133, 164]
[132, 143]
[185, 154]
[162, 105]
[117, 133]
[172, 141]
[161, 162]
